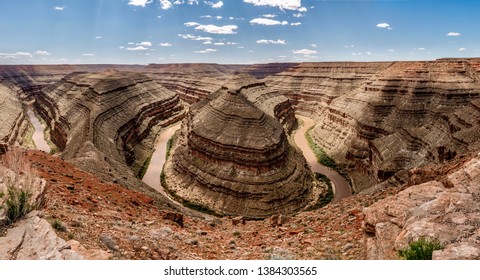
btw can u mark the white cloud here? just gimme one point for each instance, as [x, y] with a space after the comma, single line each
[219, 44]
[59, 8]
[139, 48]
[420, 49]
[206, 51]
[302, 9]
[313, 45]
[305, 52]
[384, 26]
[275, 42]
[141, 3]
[349, 46]
[358, 53]
[131, 43]
[165, 45]
[266, 21]
[298, 15]
[269, 16]
[295, 23]
[217, 5]
[144, 44]
[189, 2]
[240, 47]
[88, 54]
[453, 34]
[282, 4]
[43, 53]
[462, 49]
[164, 4]
[15, 56]
[207, 43]
[207, 16]
[219, 17]
[98, 37]
[390, 50]
[191, 23]
[194, 38]
[225, 29]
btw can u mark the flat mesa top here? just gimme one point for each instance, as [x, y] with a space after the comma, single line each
[108, 80]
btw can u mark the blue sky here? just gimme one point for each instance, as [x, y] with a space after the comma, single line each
[235, 31]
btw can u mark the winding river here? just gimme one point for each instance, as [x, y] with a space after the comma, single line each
[152, 176]
[38, 136]
[341, 188]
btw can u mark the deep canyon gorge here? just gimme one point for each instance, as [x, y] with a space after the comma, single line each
[404, 136]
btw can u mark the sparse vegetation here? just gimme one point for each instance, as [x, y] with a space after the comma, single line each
[170, 144]
[58, 225]
[422, 249]
[322, 157]
[186, 203]
[327, 198]
[144, 168]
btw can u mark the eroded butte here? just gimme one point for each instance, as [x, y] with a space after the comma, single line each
[235, 159]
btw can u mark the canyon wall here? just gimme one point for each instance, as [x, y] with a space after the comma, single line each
[15, 123]
[381, 118]
[107, 121]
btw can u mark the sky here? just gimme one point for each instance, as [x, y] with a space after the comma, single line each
[235, 31]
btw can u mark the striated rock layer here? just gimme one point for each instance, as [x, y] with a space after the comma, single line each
[15, 123]
[446, 210]
[106, 119]
[235, 159]
[382, 118]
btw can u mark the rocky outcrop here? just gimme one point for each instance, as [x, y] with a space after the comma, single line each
[107, 121]
[235, 159]
[33, 238]
[381, 118]
[446, 210]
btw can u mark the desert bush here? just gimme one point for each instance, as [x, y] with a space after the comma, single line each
[58, 225]
[422, 249]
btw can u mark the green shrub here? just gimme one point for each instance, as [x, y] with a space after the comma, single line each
[17, 204]
[58, 225]
[422, 249]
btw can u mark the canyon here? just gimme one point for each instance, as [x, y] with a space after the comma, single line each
[405, 135]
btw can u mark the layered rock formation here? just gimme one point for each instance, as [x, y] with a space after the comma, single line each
[446, 210]
[15, 123]
[381, 118]
[234, 158]
[108, 119]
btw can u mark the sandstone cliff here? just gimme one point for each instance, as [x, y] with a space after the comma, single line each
[381, 118]
[234, 158]
[14, 124]
[107, 121]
